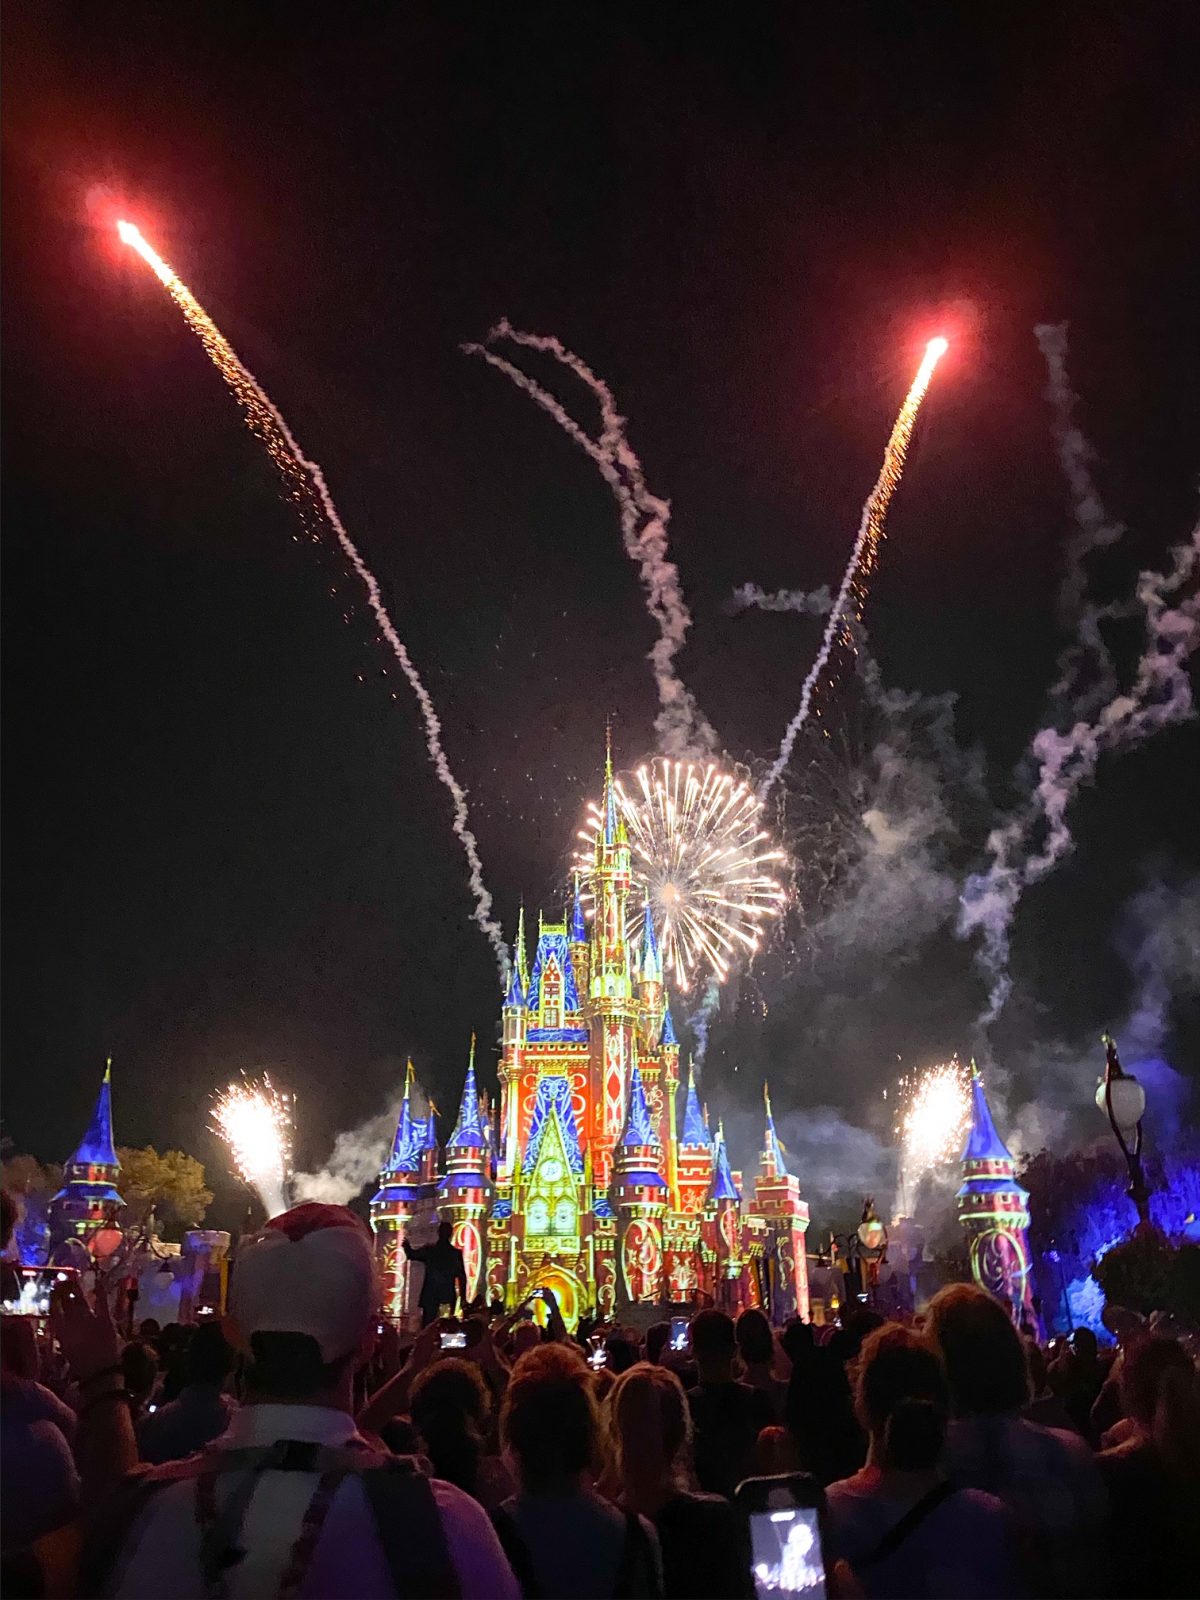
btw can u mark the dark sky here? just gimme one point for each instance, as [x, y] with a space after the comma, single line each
[224, 846]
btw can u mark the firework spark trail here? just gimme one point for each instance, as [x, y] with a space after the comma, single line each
[936, 1113]
[808, 602]
[1160, 694]
[1087, 654]
[255, 1121]
[851, 597]
[306, 488]
[681, 726]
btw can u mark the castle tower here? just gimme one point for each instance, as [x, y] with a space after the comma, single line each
[88, 1197]
[464, 1190]
[777, 1198]
[395, 1203]
[994, 1210]
[640, 1193]
[612, 1006]
[515, 1025]
[725, 1204]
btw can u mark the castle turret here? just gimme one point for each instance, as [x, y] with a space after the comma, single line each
[612, 1005]
[725, 1203]
[396, 1202]
[515, 1026]
[580, 946]
[696, 1150]
[650, 972]
[777, 1197]
[994, 1210]
[640, 1195]
[88, 1197]
[465, 1189]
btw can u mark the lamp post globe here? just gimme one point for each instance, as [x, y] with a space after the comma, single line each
[1126, 1097]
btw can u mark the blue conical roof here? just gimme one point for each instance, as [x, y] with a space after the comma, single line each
[96, 1148]
[723, 1186]
[772, 1146]
[651, 960]
[639, 1129]
[667, 1036]
[516, 994]
[404, 1155]
[578, 921]
[695, 1128]
[468, 1130]
[983, 1142]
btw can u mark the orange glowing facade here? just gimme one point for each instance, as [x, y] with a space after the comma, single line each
[590, 1176]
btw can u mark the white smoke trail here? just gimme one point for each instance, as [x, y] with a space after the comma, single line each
[358, 1154]
[301, 474]
[1087, 655]
[700, 1020]
[808, 602]
[681, 727]
[1160, 694]
[851, 594]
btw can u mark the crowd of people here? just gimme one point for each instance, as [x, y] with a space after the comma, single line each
[301, 1447]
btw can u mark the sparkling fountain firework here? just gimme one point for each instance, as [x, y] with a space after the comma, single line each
[703, 859]
[935, 1111]
[306, 489]
[255, 1121]
[851, 597]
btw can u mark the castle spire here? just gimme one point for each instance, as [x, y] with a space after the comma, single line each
[578, 921]
[96, 1149]
[468, 1131]
[639, 1127]
[88, 1197]
[610, 797]
[651, 960]
[515, 995]
[522, 960]
[983, 1142]
[772, 1149]
[403, 1157]
[667, 1036]
[723, 1186]
[695, 1126]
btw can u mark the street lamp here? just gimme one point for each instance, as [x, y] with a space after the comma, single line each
[1121, 1097]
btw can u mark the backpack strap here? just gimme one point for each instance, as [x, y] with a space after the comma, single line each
[410, 1529]
[513, 1544]
[909, 1522]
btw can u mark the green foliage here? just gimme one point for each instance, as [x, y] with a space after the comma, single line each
[171, 1185]
[25, 1175]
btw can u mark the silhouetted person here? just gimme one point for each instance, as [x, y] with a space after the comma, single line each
[445, 1274]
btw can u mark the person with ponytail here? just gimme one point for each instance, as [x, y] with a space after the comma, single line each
[704, 1550]
[1153, 1476]
[904, 1529]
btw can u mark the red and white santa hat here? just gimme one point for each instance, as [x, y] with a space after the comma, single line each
[310, 1270]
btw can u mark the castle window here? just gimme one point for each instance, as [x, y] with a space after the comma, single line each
[538, 1216]
[551, 996]
[564, 1217]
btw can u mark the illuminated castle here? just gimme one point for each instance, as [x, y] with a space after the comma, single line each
[994, 1210]
[591, 1178]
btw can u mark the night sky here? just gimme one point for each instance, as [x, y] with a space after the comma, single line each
[224, 845]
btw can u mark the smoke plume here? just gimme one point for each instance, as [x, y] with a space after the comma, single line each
[681, 727]
[1029, 845]
[811, 603]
